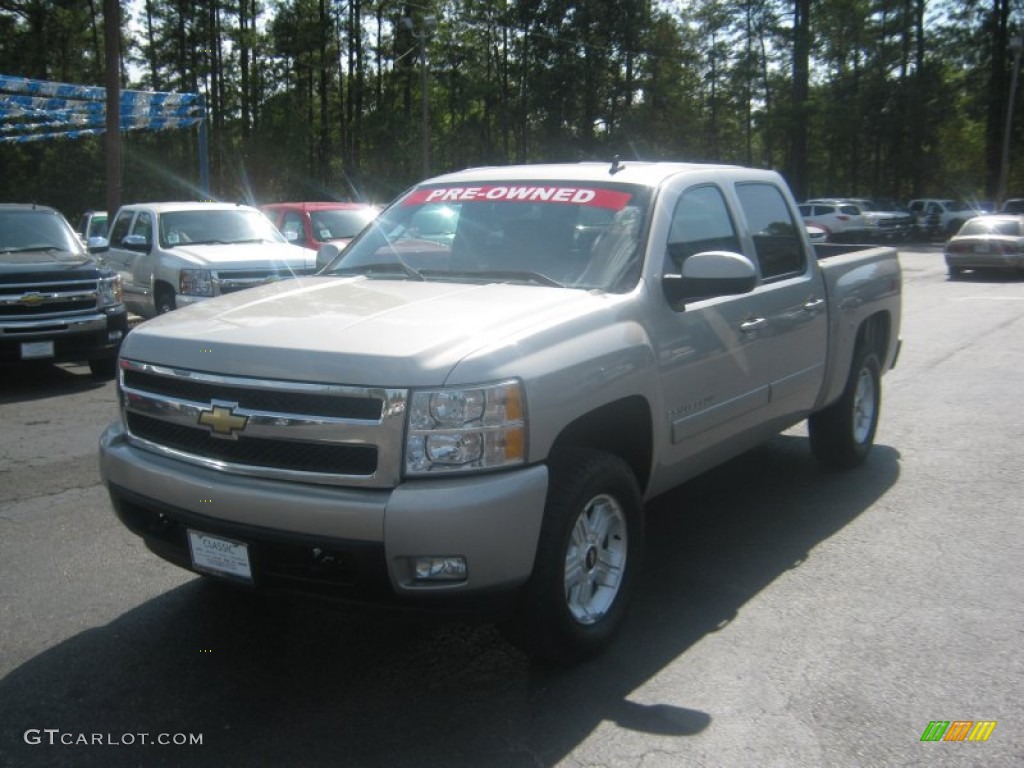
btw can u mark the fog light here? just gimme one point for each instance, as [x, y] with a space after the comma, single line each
[114, 335]
[450, 568]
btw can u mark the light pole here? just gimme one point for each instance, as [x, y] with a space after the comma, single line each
[1016, 46]
[427, 26]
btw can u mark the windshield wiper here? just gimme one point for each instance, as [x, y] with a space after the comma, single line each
[207, 242]
[389, 267]
[496, 275]
[26, 248]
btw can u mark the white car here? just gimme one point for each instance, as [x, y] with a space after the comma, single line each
[840, 220]
[816, 234]
[991, 242]
[173, 254]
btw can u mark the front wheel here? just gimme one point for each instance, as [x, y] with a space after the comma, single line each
[589, 553]
[103, 367]
[165, 301]
[842, 434]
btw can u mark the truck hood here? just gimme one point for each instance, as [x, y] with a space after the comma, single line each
[245, 255]
[353, 330]
[887, 215]
[46, 265]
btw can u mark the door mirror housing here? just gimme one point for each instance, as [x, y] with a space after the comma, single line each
[135, 243]
[326, 254]
[709, 274]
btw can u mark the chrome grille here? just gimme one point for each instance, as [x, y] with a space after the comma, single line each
[48, 299]
[231, 280]
[299, 431]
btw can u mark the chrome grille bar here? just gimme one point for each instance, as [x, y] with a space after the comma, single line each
[193, 416]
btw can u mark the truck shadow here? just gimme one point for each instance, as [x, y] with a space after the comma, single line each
[38, 381]
[280, 682]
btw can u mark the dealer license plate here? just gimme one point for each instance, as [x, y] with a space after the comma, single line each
[981, 248]
[224, 557]
[36, 350]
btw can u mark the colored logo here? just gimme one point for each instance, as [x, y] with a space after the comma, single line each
[958, 730]
[223, 422]
[31, 299]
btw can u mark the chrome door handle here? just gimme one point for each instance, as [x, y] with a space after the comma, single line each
[755, 324]
[813, 305]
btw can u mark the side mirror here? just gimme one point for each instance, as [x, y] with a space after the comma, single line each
[328, 252]
[709, 274]
[98, 245]
[135, 243]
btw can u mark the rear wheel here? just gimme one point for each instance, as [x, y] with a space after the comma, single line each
[842, 434]
[587, 559]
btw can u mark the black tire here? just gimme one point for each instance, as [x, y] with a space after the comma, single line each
[566, 616]
[842, 434]
[955, 273]
[164, 300]
[103, 367]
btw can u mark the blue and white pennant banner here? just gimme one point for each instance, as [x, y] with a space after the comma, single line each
[36, 108]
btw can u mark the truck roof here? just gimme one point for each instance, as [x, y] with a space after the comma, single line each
[190, 205]
[632, 172]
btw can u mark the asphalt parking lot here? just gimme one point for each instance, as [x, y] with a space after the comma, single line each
[788, 616]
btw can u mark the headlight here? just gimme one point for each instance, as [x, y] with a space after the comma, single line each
[196, 282]
[110, 291]
[466, 429]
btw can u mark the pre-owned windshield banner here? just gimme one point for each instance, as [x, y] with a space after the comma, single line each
[521, 193]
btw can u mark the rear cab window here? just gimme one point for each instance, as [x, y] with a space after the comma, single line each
[778, 239]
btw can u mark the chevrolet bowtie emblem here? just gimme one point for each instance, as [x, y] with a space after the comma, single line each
[31, 299]
[222, 421]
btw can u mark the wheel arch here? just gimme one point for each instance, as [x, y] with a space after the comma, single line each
[622, 427]
[875, 333]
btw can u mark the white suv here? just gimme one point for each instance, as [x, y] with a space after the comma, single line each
[840, 219]
[172, 254]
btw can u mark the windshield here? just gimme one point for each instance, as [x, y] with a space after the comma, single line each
[985, 226]
[338, 224]
[217, 225]
[39, 230]
[544, 233]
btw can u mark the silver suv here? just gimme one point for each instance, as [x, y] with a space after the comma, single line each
[938, 217]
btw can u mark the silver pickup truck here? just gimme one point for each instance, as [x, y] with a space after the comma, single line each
[476, 421]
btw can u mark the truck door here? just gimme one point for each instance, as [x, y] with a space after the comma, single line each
[145, 257]
[713, 388]
[117, 256]
[785, 331]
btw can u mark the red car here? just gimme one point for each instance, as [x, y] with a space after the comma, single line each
[313, 224]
